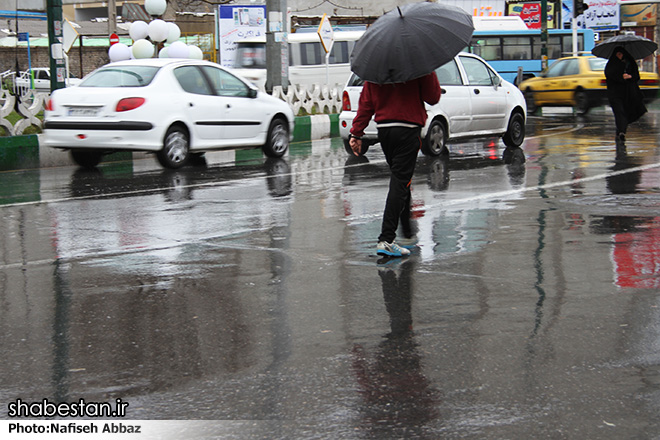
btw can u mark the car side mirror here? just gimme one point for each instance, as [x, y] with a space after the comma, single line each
[497, 81]
[252, 93]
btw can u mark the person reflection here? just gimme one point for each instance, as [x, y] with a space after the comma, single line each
[620, 181]
[395, 392]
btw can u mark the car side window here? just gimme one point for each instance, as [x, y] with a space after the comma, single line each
[448, 74]
[572, 67]
[192, 81]
[224, 83]
[478, 73]
[556, 69]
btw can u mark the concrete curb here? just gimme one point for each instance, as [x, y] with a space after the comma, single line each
[26, 152]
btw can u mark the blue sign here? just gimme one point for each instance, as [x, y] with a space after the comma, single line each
[23, 36]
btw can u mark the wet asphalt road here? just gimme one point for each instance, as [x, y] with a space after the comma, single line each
[247, 291]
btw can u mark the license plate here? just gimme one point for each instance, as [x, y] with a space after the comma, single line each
[83, 111]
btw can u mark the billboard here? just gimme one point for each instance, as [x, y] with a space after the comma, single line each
[238, 22]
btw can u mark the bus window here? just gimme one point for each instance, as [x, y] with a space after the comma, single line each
[310, 54]
[339, 53]
[567, 44]
[517, 48]
[251, 56]
[553, 46]
[487, 48]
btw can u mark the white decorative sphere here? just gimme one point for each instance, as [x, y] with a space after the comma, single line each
[119, 52]
[155, 7]
[178, 49]
[143, 49]
[163, 53]
[158, 30]
[174, 33]
[195, 53]
[138, 30]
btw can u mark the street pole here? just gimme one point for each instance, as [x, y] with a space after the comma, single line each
[277, 48]
[56, 53]
[544, 34]
[112, 17]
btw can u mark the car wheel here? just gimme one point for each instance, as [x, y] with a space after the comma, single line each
[581, 102]
[435, 142]
[277, 141]
[86, 159]
[515, 133]
[349, 150]
[531, 103]
[176, 148]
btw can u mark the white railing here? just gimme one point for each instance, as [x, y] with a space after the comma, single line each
[311, 100]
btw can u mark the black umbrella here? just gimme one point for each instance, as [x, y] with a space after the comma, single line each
[638, 47]
[410, 42]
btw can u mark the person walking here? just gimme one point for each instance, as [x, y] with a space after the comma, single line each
[400, 114]
[623, 93]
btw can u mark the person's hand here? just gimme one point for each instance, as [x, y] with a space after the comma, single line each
[356, 145]
[627, 76]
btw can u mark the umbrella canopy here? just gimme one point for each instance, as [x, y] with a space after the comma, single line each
[410, 42]
[638, 47]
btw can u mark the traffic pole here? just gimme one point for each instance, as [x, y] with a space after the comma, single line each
[277, 47]
[56, 52]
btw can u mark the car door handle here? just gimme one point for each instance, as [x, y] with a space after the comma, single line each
[443, 91]
[228, 105]
[190, 104]
[477, 91]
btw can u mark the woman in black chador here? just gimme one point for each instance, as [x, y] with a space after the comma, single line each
[623, 92]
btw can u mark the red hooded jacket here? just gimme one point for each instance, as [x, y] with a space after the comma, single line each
[399, 102]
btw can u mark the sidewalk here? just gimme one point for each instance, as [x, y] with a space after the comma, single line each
[25, 152]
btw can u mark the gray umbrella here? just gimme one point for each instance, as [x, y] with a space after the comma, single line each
[410, 42]
[638, 47]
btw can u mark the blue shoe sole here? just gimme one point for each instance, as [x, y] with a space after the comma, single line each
[389, 254]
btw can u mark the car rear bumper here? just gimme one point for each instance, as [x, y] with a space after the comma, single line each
[98, 136]
[346, 122]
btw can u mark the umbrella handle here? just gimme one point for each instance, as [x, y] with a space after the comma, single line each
[400, 11]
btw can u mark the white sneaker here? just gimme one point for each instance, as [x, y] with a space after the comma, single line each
[391, 250]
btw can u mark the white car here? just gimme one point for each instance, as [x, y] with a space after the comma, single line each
[172, 107]
[476, 102]
[40, 80]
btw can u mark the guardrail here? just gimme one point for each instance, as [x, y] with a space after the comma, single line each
[303, 100]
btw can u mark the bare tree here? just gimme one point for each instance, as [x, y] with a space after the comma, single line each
[196, 5]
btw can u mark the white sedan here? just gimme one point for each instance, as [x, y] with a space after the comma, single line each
[173, 107]
[475, 102]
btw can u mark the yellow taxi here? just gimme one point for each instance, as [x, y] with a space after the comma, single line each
[578, 82]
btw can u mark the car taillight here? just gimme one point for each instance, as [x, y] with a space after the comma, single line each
[649, 83]
[127, 104]
[603, 83]
[345, 102]
[49, 107]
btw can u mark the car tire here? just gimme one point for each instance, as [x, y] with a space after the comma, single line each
[176, 148]
[86, 159]
[349, 150]
[277, 140]
[582, 104]
[529, 100]
[515, 133]
[435, 142]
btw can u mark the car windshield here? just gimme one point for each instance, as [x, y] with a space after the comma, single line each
[597, 64]
[355, 81]
[121, 76]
